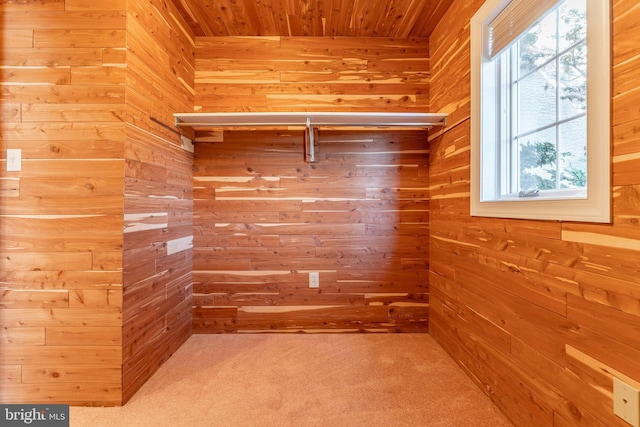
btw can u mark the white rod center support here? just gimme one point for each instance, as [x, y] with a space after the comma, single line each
[309, 142]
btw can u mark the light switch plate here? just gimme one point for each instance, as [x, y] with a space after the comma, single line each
[626, 402]
[14, 160]
[314, 280]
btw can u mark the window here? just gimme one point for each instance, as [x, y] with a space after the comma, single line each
[540, 110]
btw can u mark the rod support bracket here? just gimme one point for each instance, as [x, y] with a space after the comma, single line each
[310, 136]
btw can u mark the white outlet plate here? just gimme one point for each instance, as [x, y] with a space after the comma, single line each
[626, 402]
[314, 280]
[14, 159]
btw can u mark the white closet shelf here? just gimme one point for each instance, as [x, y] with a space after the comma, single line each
[310, 119]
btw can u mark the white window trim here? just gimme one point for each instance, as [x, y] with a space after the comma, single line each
[596, 207]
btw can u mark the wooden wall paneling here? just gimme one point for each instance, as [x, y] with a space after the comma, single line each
[81, 280]
[586, 391]
[65, 76]
[53, 57]
[11, 374]
[495, 374]
[158, 207]
[61, 273]
[84, 5]
[41, 18]
[81, 394]
[15, 74]
[69, 374]
[64, 94]
[65, 38]
[24, 335]
[269, 218]
[19, 38]
[615, 293]
[298, 73]
[542, 311]
[619, 350]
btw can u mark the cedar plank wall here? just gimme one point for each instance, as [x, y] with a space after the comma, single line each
[264, 218]
[63, 103]
[311, 74]
[158, 201]
[540, 314]
[66, 72]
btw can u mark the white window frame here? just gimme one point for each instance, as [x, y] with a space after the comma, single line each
[596, 206]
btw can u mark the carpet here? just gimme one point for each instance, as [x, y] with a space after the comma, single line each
[304, 380]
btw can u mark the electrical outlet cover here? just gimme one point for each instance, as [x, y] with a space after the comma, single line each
[626, 402]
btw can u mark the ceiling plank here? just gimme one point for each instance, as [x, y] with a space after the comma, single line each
[313, 18]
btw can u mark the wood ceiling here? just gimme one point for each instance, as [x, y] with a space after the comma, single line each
[332, 18]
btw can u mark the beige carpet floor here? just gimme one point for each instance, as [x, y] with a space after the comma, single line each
[304, 380]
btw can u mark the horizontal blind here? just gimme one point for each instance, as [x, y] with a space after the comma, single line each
[514, 20]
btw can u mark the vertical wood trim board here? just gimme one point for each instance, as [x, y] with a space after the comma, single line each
[540, 314]
[264, 219]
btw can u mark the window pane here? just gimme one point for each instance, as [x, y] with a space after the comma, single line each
[573, 153]
[573, 27]
[537, 96]
[537, 161]
[538, 45]
[573, 82]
